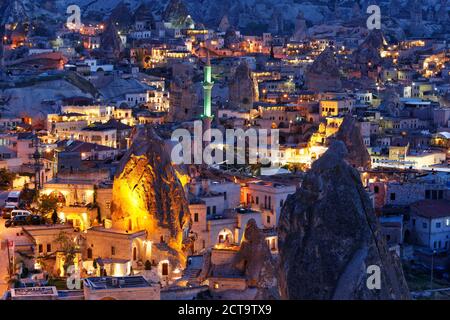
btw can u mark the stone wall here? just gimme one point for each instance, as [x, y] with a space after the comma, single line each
[188, 293]
[223, 284]
[220, 256]
[146, 293]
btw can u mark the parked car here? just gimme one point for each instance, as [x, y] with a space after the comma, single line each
[35, 220]
[6, 211]
[16, 221]
[19, 213]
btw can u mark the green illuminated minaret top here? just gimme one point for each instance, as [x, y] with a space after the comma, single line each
[207, 87]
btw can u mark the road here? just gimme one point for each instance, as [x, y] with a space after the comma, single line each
[3, 196]
[5, 234]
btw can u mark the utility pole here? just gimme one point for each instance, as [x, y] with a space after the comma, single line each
[9, 260]
[432, 267]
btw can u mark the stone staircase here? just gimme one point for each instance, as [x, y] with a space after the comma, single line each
[191, 274]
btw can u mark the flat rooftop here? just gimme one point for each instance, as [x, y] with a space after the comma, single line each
[34, 292]
[102, 283]
[115, 231]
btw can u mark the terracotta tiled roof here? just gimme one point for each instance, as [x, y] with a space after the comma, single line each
[432, 208]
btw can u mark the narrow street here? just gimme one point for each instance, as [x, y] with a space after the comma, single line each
[5, 234]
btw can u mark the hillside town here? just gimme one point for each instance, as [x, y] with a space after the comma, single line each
[94, 206]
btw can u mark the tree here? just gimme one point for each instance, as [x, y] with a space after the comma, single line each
[6, 179]
[27, 195]
[68, 247]
[47, 204]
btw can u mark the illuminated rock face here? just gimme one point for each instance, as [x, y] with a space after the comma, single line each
[350, 134]
[147, 195]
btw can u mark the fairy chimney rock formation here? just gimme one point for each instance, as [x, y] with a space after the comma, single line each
[147, 195]
[329, 237]
[255, 261]
[350, 133]
[241, 88]
[324, 74]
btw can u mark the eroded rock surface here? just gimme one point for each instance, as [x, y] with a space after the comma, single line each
[147, 195]
[349, 133]
[329, 236]
[324, 74]
[255, 261]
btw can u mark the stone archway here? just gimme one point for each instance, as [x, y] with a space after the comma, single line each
[137, 251]
[225, 236]
[76, 221]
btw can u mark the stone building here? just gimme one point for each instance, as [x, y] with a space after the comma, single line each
[115, 251]
[120, 288]
[76, 199]
[430, 224]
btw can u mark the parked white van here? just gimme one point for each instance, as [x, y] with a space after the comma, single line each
[13, 199]
[19, 213]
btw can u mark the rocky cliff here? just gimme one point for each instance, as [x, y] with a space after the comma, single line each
[147, 195]
[252, 261]
[367, 56]
[349, 133]
[241, 90]
[175, 12]
[12, 11]
[121, 16]
[324, 74]
[255, 261]
[110, 42]
[329, 236]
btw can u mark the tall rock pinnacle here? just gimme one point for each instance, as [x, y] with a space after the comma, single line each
[349, 133]
[255, 261]
[147, 195]
[329, 236]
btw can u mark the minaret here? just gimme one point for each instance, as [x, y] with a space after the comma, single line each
[207, 88]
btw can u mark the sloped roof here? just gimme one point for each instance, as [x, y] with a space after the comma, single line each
[432, 208]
